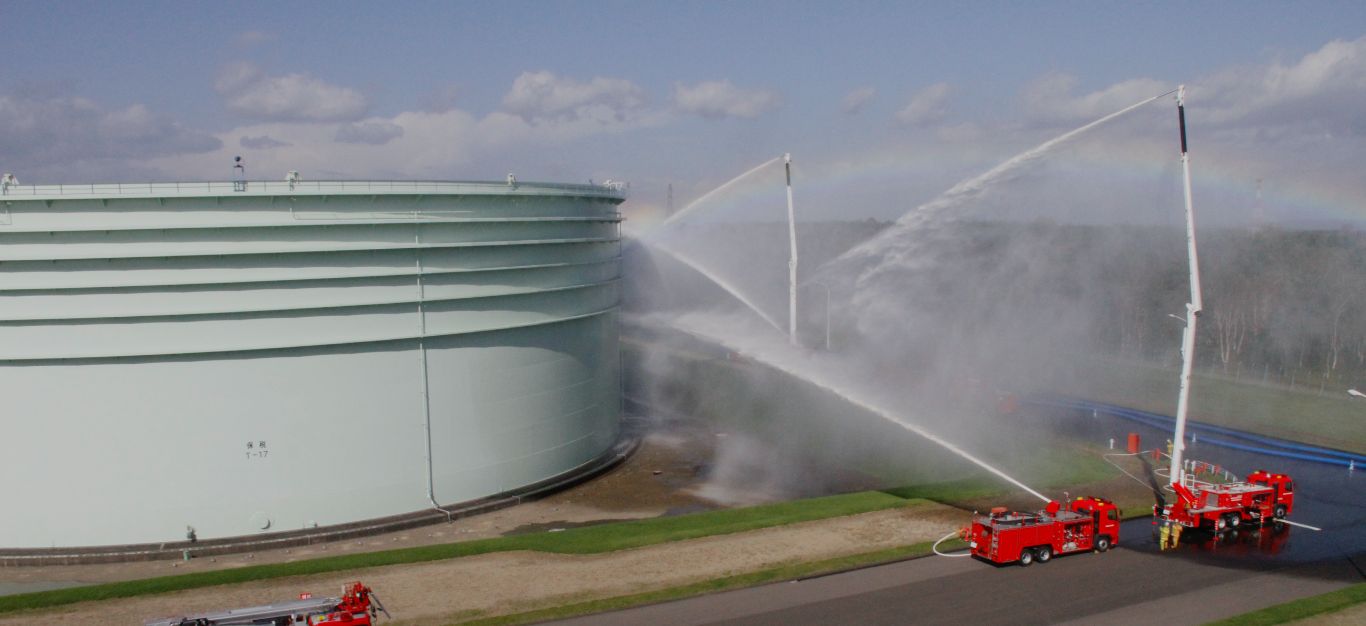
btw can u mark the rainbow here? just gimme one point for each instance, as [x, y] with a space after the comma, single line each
[1221, 181]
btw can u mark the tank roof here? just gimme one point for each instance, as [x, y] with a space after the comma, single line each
[609, 190]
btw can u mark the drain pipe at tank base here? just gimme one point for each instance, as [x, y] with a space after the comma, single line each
[450, 517]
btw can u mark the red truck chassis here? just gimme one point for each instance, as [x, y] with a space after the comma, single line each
[1014, 537]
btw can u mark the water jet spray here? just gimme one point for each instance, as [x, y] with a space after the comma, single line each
[694, 204]
[720, 282]
[876, 247]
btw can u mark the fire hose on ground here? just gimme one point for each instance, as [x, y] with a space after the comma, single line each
[935, 547]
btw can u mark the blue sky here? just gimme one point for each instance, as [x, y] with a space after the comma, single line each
[682, 93]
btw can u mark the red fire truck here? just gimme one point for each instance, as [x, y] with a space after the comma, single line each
[358, 606]
[1089, 523]
[1217, 506]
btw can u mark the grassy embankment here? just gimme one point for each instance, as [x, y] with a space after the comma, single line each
[1294, 610]
[1331, 419]
[983, 491]
[587, 540]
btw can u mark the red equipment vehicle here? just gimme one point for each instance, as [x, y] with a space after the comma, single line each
[358, 606]
[1006, 537]
[1215, 507]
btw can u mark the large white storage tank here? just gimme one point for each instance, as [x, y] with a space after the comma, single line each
[239, 358]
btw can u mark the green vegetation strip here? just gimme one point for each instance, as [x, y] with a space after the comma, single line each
[586, 540]
[1299, 609]
[785, 572]
[951, 492]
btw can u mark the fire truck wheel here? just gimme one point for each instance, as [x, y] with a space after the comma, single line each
[1280, 511]
[1102, 543]
[1233, 520]
[1045, 554]
[1221, 523]
[1026, 557]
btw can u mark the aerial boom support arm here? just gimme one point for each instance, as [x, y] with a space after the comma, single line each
[1192, 308]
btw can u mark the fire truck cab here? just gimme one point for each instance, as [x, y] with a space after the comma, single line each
[1089, 523]
[1281, 500]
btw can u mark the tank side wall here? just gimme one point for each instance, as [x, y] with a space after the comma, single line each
[257, 364]
[136, 451]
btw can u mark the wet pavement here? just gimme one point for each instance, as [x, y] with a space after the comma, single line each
[1326, 496]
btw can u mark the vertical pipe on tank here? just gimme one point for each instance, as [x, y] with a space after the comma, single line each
[1192, 308]
[422, 355]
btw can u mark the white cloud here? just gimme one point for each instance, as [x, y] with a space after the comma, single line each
[721, 98]
[927, 106]
[375, 133]
[855, 100]
[1324, 88]
[292, 97]
[545, 96]
[432, 145]
[1049, 99]
[1320, 92]
[263, 142]
[65, 130]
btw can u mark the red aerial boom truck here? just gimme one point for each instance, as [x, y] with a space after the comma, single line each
[1089, 523]
[1198, 504]
[357, 606]
[1214, 507]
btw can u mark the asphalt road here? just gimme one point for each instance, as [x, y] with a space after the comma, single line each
[1123, 586]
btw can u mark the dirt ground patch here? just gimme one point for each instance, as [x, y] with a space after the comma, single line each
[493, 584]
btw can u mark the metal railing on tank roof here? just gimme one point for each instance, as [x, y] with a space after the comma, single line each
[609, 189]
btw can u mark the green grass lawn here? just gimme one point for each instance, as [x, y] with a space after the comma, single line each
[586, 540]
[1299, 609]
[1331, 418]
